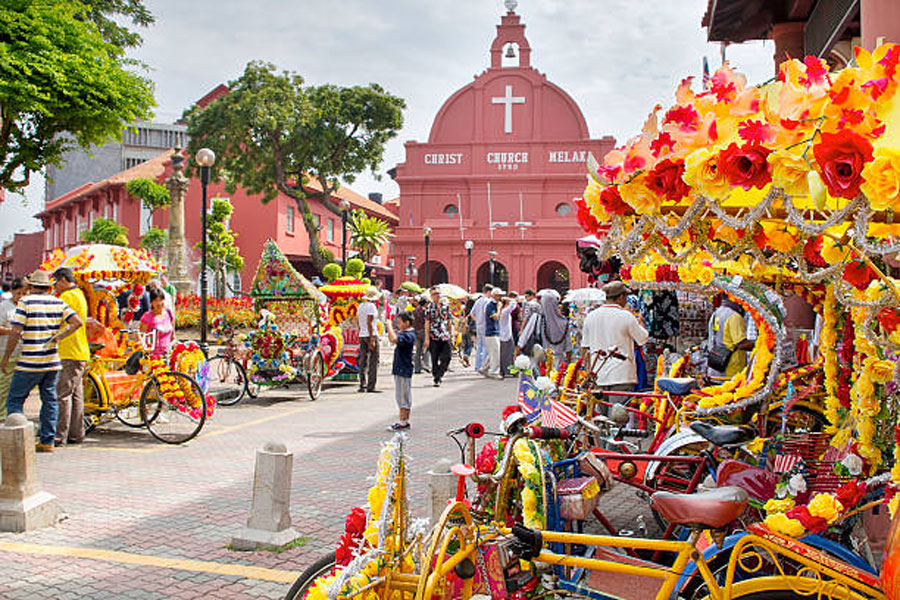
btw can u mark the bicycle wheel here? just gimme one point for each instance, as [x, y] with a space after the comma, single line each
[128, 413]
[323, 566]
[175, 421]
[227, 380]
[316, 376]
[674, 476]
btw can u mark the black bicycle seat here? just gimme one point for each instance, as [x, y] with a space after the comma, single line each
[723, 435]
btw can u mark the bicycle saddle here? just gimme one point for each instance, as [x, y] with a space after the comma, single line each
[678, 386]
[723, 435]
[713, 509]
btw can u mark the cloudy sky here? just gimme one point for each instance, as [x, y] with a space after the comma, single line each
[616, 58]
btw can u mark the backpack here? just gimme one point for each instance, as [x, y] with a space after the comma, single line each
[535, 337]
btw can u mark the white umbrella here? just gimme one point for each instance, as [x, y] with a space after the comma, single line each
[450, 290]
[586, 295]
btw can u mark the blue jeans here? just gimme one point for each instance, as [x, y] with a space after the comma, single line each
[480, 350]
[22, 384]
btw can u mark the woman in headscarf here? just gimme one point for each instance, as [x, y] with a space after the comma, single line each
[553, 326]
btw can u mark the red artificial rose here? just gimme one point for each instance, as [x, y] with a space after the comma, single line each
[889, 319]
[802, 514]
[486, 459]
[858, 273]
[665, 180]
[355, 524]
[841, 157]
[343, 554]
[851, 493]
[746, 166]
[613, 203]
[585, 219]
[812, 252]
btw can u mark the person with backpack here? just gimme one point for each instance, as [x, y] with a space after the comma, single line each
[547, 327]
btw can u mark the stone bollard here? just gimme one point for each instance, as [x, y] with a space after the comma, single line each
[441, 488]
[23, 505]
[270, 512]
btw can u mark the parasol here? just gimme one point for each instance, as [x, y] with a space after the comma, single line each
[586, 295]
[412, 286]
[450, 290]
[104, 262]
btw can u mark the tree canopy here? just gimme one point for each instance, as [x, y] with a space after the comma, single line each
[368, 234]
[108, 14]
[221, 253]
[62, 85]
[274, 135]
[106, 231]
[151, 194]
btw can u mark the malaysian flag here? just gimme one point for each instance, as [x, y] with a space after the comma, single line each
[537, 404]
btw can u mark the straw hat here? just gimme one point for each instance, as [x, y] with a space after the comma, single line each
[39, 279]
[371, 294]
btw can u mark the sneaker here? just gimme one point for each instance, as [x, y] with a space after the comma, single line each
[437, 384]
[39, 447]
[361, 390]
[399, 426]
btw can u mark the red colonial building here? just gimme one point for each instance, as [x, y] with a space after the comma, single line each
[502, 165]
[21, 255]
[65, 217]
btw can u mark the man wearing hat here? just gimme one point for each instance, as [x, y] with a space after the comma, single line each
[367, 360]
[491, 367]
[41, 320]
[613, 326]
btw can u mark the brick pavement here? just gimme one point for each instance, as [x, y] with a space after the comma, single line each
[123, 491]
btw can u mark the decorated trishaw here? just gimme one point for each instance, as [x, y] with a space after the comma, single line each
[122, 381]
[754, 194]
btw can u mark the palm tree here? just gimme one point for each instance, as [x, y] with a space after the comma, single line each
[368, 234]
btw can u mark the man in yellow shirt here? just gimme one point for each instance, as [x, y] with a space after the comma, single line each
[726, 327]
[74, 353]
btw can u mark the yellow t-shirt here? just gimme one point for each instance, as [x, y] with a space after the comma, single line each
[75, 346]
[734, 333]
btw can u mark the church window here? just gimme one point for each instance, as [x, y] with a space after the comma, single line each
[451, 210]
[330, 230]
[289, 224]
[563, 209]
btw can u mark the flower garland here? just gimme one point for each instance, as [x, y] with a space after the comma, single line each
[786, 517]
[172, 391]
[527, 454]
[270, 359]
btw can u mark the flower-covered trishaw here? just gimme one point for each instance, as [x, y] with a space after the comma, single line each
[760, 193]
[122, 381]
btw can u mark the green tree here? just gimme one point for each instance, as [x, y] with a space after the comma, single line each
[108, 14]
[331, 271]
[151, 194]
[62, 85]
[368, 234]
[271, 134]
[155, 240]
[106, 231]
[221, 253]
[355, 268]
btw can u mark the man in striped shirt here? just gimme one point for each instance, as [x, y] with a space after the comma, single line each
[41, 320]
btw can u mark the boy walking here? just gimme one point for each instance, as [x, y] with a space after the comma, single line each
[405, 341]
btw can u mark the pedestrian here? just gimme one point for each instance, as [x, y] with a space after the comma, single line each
[402, 370]
[491, 367]
[159, 319]
[477, 314]
[507, 339]
[6, 293]
[529, 307]
[438, 333]
[727, 337]
[516, 316]
[367, 360]
[170, 290]
[549, 325]
[613, 327]
[41, 321]
[17, 290]
[74, 353]
[418, 320]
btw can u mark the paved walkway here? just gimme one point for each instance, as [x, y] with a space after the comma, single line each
[144, 520]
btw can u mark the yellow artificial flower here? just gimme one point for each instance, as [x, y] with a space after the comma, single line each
[826, 506]
[779, 523]
[882, 180]
[893, 503]
[816, 189]
[834, 251]
[705, 275]
[789, 172]
[727, 234]
[779, 236]
[701, 173]
[640, 197]
[774, 506]
[881, 370]
[841, 438]
[757, 445]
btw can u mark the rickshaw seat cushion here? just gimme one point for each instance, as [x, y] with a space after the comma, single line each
[713, 509]
[677, 386]
[723, 435]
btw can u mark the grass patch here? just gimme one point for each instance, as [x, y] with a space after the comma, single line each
[298, 543]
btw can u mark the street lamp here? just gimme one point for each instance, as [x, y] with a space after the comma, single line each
[345, 207]
[492, 254]
[469, 245]
[427, 231]
[205, 159]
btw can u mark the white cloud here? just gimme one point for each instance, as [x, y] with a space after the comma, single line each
[616, 58]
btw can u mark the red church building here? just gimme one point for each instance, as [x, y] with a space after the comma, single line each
[503, 163]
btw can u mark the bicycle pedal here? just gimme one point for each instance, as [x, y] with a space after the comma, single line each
[626, 533]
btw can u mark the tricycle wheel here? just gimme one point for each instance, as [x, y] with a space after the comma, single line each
[316, 376]
[323, 566]
[227, 380]
[177, 415]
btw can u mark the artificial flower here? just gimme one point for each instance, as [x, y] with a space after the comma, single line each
[881, 370]
[611, 200]
[858, 273]
[665, 180]
[808, 520]
[780, 523]
[702, 173]
[881, 177]
[796, 485]
[789, 172]
[834, 251]
[853, 464]
[774, 505]
[816, 189]
[841, 158]
[745, 166]
[851, 493]
[825, 506]
[640, 197]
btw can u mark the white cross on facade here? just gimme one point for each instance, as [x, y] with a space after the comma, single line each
[508, 100]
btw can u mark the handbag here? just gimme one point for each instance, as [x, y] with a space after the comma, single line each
[717, 358]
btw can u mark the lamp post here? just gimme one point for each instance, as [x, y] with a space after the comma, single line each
[205, 159]
[492, 254]
[345, 207]
[427, 232]
[469, 245]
